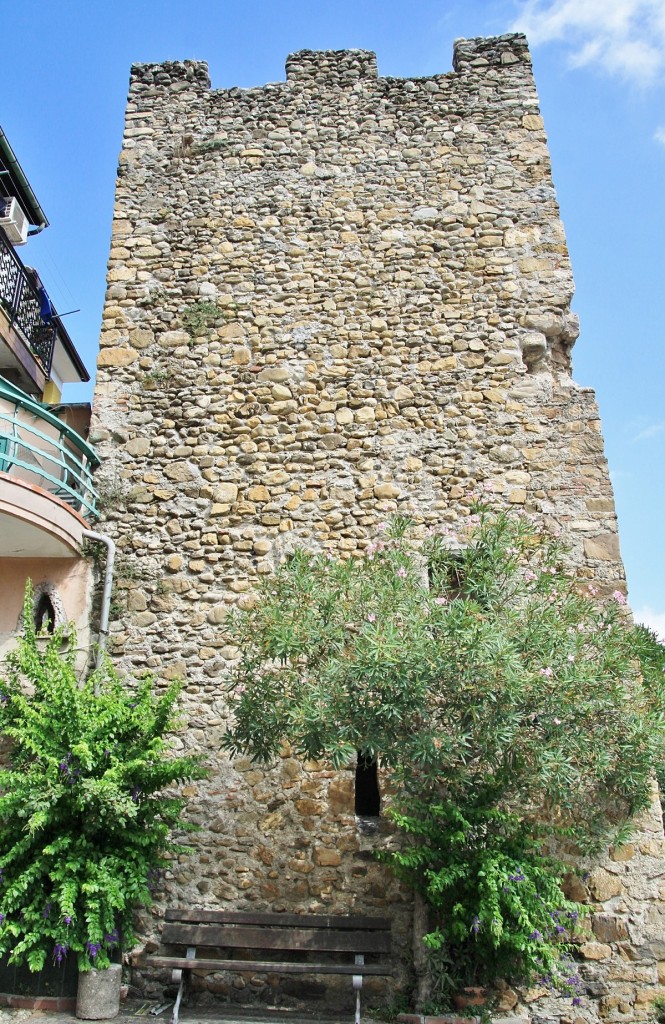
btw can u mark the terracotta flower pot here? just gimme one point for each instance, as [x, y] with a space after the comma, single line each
[474, 995]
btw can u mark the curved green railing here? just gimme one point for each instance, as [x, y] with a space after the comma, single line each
[37, 447]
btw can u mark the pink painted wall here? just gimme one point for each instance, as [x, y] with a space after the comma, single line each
[69, 582]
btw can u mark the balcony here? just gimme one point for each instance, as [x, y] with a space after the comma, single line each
[46, 490]
[27, 319]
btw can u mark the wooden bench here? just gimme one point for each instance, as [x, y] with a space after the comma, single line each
[288, 937]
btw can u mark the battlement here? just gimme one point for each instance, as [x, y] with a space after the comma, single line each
[337, 65]
[476, 55]
[171, 74]
[338, 68]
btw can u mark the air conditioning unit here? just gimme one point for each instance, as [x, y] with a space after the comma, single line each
[13, 221]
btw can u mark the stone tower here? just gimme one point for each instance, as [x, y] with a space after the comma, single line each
[329, 299]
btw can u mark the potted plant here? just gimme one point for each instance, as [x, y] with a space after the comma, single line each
[84, 820]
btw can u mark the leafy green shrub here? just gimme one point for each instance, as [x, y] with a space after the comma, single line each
[490, 671]
[651, 653]
[84, 825]
[495, 898]
[495, 691]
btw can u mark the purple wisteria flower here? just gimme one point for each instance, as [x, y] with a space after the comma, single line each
[93, 948]
[475, 925]
[60, 952]
[535, 935]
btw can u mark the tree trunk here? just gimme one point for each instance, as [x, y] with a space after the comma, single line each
[423, 990]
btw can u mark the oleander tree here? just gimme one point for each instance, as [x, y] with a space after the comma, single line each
[501, 696]
[88, 816]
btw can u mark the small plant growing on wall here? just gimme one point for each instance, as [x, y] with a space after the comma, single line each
[503, 700]
[84, 820]
[200, 315]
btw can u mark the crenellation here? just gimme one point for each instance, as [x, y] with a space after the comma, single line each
[323, 67]
[506, 52]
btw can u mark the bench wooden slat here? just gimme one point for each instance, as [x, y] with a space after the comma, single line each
[268, 920]
[263, 966]
[290, 934]
[245, 937]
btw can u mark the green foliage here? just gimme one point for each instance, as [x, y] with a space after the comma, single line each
[495, 690]
[112, 495]
[489, 671]
[658, 1006]
[199, 315]
[84, 825]
[495, 898]
[651, 653]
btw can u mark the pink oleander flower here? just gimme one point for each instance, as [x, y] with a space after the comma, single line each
[546, 671]
[619, 597]
[401, 572]
[371, 617]
[592, 590]
[382, 527]
[441, 600]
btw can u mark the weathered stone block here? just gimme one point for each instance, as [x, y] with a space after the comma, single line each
[117, 356]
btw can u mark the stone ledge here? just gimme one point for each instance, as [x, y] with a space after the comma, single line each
[442, 1018]
[453, 1018]
[52, 1004]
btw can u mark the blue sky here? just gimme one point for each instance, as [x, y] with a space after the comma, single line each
[600, 72]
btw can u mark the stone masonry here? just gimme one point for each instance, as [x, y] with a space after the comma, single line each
[330, 299]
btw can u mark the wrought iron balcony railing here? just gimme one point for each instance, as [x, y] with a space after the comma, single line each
[38, 448]
[23, 303]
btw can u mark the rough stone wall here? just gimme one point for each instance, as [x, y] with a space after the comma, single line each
[329, 299]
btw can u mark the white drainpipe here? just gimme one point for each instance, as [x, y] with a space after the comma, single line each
[106, 596]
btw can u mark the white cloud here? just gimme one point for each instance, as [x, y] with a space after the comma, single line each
[654, 620]
[659, 134]
[623, 37]
[650, 431]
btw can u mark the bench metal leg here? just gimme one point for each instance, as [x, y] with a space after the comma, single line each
[358, 984]
[184, 978]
